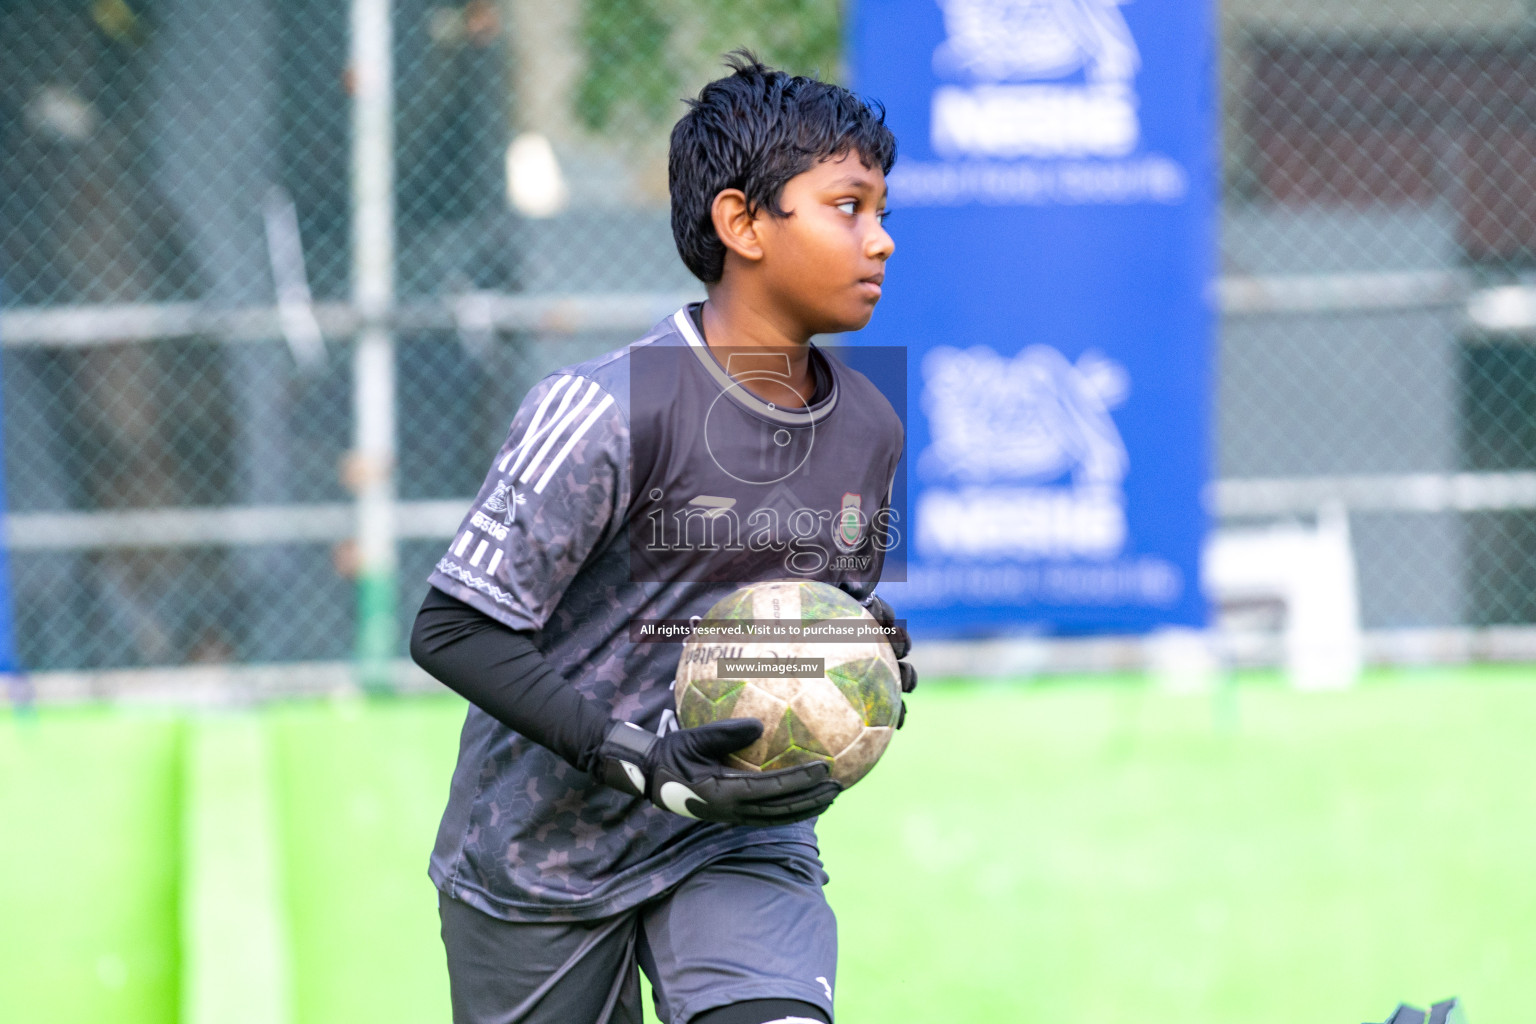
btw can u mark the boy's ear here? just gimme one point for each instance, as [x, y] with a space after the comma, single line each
[736, 225]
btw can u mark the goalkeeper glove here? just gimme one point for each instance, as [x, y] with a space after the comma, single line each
[901, 644]
[682, 772]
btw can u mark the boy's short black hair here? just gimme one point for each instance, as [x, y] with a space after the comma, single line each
[755, 129]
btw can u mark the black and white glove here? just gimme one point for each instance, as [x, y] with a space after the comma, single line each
[901, 644]
[682, 772]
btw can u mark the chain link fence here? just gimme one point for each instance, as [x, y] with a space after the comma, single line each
[178, 203]
[1379, 160]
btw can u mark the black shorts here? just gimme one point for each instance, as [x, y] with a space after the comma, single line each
[750, 925]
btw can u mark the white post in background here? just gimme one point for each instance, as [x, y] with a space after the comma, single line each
[371, 467]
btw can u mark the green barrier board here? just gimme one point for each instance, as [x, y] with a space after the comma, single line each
[234, 938]
[1094, 852]
[89, 869]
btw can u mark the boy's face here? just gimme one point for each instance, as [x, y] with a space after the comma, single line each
[825, 261]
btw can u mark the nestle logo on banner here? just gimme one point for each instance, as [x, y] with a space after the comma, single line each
[1027, 461]
[1044, 78]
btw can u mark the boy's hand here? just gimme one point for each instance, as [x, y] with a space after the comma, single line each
[682, 772]
[901, 643]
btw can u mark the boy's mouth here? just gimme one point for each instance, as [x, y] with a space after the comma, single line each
[871, 285]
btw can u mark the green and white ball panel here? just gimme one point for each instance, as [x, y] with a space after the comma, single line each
[709, 700]
[845, 716]
[871, 687]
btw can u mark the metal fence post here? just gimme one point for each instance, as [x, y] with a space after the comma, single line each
[371, 469]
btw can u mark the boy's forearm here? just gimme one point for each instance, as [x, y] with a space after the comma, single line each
[503, 673]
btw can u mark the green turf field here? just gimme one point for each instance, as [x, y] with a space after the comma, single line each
[1083, 851]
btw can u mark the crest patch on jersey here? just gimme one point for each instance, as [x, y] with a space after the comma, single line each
[848, 532]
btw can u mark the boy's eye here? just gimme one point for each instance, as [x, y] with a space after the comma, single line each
[881, 215]
[849, 206]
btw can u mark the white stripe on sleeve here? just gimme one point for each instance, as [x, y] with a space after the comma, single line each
[571, 443]
[538, 426]
[554, 435]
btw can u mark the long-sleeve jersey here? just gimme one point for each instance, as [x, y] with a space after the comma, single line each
[642, 485]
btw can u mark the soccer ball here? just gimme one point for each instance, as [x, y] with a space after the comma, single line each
[844, 716]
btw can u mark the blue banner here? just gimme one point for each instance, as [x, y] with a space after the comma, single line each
[1053, 210]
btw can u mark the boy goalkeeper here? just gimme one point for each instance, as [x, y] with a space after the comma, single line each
[585, 835]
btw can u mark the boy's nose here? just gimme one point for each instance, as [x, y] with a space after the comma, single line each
[880, 244]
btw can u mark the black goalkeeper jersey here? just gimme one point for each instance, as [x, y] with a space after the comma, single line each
[643, 485]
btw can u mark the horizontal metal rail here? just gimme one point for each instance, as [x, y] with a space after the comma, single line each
[243, 525]
[1504, 308]
[1401, 492]
[220, 526]
[1339, 293]
[128, 323]
[1013, 658]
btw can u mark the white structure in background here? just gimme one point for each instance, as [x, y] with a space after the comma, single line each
[535, 186]
[1311, 572]
[370, 466]
[290, 277]
[1183, 660]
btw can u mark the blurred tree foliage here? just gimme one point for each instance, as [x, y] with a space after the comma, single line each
[626, 61]
[643, 56]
